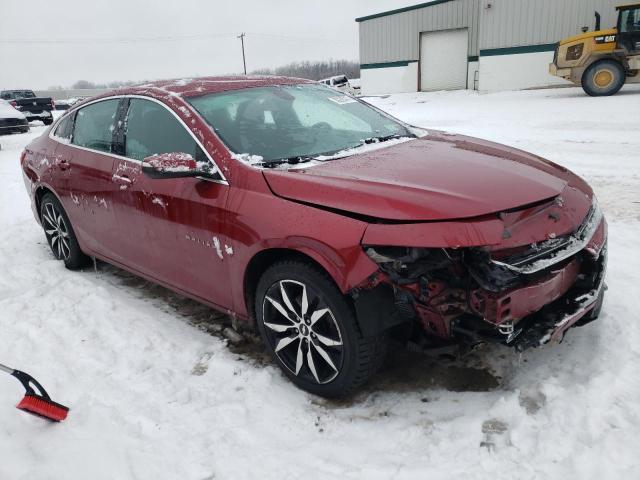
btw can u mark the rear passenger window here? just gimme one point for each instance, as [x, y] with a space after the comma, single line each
[151, 129]
[94, 125]
[64, 129]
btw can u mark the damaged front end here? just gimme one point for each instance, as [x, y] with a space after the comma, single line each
[521, 296]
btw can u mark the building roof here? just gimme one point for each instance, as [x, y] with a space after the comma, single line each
[628, 5]
[401, 10]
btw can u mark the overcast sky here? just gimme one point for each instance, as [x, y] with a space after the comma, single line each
[45, 43]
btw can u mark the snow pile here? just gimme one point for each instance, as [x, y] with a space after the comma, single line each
[153, 397]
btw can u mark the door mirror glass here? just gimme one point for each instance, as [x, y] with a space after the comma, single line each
[171, 165]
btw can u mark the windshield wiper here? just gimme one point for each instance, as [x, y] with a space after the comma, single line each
[308, 158]
[385, 138]
[289, 160]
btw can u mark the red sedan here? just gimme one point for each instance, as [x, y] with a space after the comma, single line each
[328, 223]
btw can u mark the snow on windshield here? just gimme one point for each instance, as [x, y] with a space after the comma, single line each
[298, 122]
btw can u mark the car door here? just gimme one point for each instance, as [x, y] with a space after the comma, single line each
[84, 155]
[173, 227]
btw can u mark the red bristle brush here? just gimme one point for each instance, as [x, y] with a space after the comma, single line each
[37, 403]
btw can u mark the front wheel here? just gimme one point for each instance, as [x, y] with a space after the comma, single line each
[310, 330]
[603, 78]
[47, 121]
[59, 233]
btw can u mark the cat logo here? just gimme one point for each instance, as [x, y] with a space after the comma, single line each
[606, 39]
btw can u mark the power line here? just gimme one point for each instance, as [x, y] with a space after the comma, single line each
[114, 40]
[296, 38]
[163, 38]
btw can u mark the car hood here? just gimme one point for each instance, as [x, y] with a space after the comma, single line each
[436, 177]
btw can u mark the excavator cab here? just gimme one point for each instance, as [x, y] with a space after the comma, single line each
[604, 60]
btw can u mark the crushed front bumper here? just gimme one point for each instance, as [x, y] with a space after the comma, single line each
[579, 306]
[571, 295]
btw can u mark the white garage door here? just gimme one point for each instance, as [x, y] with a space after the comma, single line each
[443, 60]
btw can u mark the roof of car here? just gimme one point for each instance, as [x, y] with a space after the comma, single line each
[193, 87]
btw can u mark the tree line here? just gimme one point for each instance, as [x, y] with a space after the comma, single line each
[309, 70]
[314, 70]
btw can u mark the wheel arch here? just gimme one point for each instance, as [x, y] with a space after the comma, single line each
[263, 259]
[39, 193]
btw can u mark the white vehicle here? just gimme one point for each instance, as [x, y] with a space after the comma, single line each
[11, 120]
[340, 82]
[355, 85]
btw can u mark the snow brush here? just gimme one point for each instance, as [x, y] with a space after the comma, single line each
[37, 403]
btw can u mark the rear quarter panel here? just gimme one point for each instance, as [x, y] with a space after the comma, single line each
[39, 168]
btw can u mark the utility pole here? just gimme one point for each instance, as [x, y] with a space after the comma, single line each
[244, 61]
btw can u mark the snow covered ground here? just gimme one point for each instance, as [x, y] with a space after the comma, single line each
[155, 393]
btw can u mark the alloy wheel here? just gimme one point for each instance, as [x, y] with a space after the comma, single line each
[56, 231]
[302, 331]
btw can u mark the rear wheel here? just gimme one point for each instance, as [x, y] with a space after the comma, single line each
[59, 233]
[603, 78]
[310, 330]
[47, 121]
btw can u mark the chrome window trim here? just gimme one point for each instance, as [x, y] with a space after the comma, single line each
[222, 181]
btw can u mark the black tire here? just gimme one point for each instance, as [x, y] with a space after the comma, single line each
[335, 332]
[47, 121]
[603, 78]
[59, 233]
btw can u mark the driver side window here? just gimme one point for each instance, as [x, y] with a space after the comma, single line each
[151, 129]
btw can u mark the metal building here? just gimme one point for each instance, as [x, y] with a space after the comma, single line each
[486, 45]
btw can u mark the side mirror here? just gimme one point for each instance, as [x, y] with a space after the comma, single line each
[171, 165]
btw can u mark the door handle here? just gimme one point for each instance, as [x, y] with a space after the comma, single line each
[123, 180]
[64, 164]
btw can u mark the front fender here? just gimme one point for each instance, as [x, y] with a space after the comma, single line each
[259, 221]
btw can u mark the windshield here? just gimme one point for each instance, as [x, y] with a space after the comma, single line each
[294, 122]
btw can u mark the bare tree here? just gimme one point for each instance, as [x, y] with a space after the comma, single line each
[314, 70]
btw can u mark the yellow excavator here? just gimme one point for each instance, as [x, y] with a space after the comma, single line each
[604, 60]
